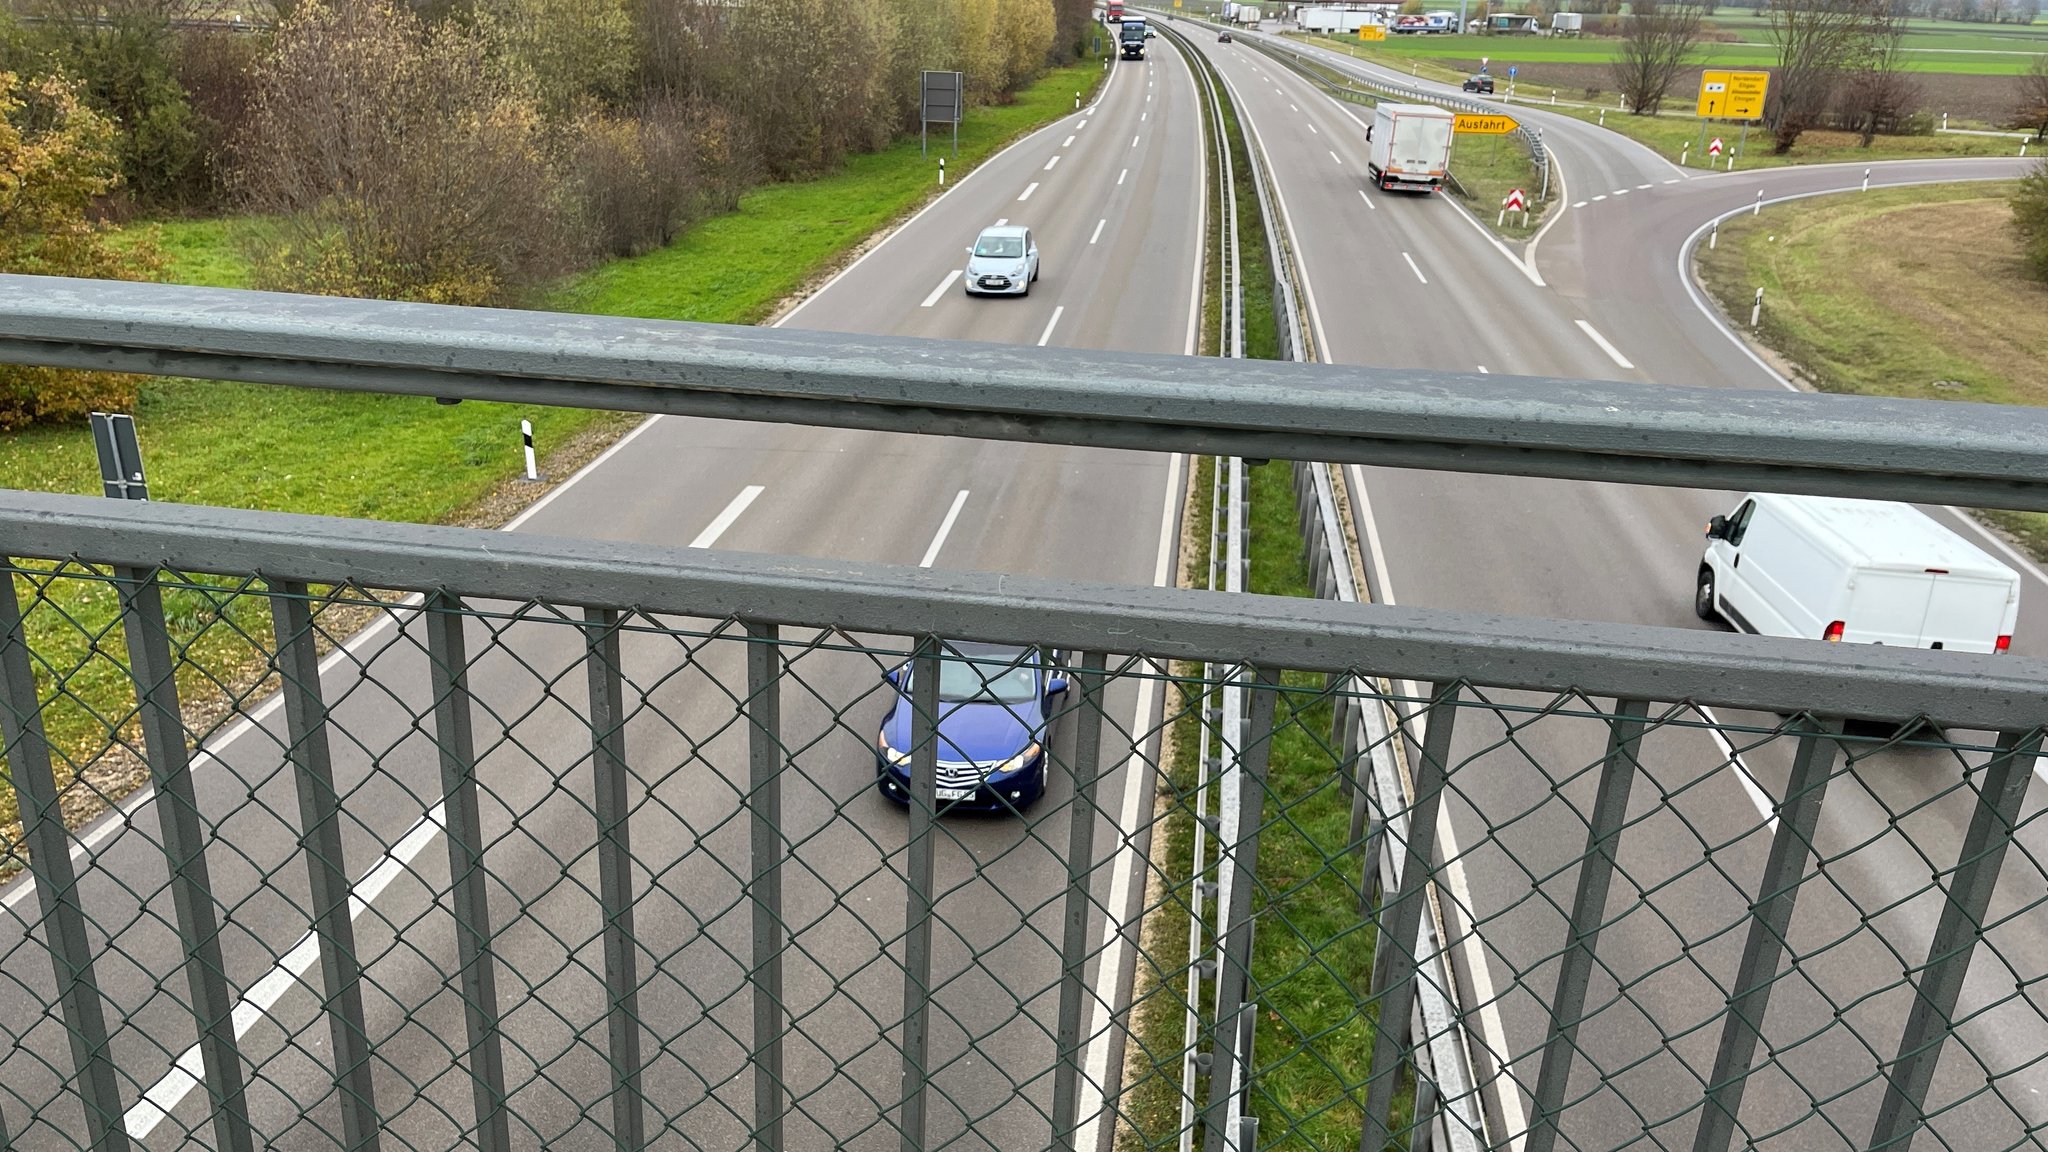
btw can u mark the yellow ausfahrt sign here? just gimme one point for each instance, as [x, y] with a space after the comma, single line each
[1372, 32]
[1733, 95]
[1486, 124]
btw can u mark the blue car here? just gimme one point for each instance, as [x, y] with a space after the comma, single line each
[995, 702]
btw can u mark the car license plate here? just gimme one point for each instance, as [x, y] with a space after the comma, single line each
[956, 793]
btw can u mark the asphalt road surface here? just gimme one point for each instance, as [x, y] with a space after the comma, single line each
[1113, 194]
[1406, 281]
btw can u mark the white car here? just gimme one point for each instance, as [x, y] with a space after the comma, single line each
[1003, 262]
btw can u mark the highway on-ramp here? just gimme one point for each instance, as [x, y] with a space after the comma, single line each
[1114, 194]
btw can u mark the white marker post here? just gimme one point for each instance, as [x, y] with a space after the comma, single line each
[942, 173]
[1756, 311]
[1866, 179]
[1758, 210]
[1944, 121]
[1684, 149]
[526, 436]
[1714, 237]
[1077, 101]
[1731, 162]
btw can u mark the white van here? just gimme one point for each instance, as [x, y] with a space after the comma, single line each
[1854, 571]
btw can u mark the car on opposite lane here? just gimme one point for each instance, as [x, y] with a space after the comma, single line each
[1223, 38]
[1002, 262]
[995, 713]
[1481, 83]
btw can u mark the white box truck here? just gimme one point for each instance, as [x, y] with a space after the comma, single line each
[1246, 15]
[1409, 145]
[1854, 572]
[1567, 23]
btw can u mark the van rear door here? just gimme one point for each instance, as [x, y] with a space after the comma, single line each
[1966, 611]
[1887, 606]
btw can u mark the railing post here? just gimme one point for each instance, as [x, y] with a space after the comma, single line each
[1999, 800]
[1394, 960]
[1770, 918]
[184, 847]
[917, 885]
[448, 660]
[27, 749]
[327, 874]
[1087, 688]
[1233, 976]
[1589, 909]
[765, 759]
[610, 779]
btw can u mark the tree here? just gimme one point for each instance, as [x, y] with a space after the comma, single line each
[1816, 41]
[2033, 107]
[2030, 219]
[397, 161]
[58, 158]
[1656, 40]
[1880, 93]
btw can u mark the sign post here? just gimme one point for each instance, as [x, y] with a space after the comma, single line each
[1516, 202]
[113, 439]
[1372, 32]
[941, 101]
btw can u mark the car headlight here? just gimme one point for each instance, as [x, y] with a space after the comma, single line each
[1019, 270]
[890, 754]
[1021, 760]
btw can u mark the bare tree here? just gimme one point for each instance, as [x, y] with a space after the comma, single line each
[1817, 40]
[1879, 94]
[1656, 39]
[2034, 96]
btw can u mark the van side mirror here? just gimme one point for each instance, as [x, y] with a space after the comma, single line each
[1054, 685]
[1717, 528]
[894, 676]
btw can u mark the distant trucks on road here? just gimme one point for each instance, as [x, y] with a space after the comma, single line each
[1408, 146]
[1242, 15]
[1339, 21]
[1425, 23]
[1113, 13]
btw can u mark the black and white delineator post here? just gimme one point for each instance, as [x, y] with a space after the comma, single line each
[113, 439]
[526, 437]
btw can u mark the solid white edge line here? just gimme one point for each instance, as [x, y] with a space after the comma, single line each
[941, 289]
[1109, 973]
[1757, 796]
[1097, 235]
[1613, 353]
[1413, 268]
[1046, 335]
[945, 529]
[724, 520]
[156, 1104]
[1028, 190]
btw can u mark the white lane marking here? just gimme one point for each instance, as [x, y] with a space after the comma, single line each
[1757, 795]
[1109, 974]
[1291, 106]
[1000, 221]
[1413, 268]
[1621, 191]
[1069, 142]
[1134, 141]
[1098, 231]
[1673, 180]
[158, 1102]
[1477, 968]
[941, 289]
[1081, 125]
[1580, 204]
[945, 530]
[1334, 156]
[1600, 197]
[1047, 334]
[1613, 353]
[1050, 163]
[1315, 130]
[1483, 371]
[1368, 200]
[1028, 190]
[1640, 187]
[1143, 116]
[716, 528]
[1120, 176]
[1148, 97]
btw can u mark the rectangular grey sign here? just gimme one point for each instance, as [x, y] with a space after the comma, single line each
[942, 98]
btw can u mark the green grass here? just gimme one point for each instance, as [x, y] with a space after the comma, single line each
[405, 458]
[1975, 55]
[1669, 133]
[1915, 292]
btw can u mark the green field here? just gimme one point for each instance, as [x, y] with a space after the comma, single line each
[1975, 55]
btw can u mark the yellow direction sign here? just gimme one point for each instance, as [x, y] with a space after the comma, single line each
[1372, 32]
[1733, 95]
[1486, 124]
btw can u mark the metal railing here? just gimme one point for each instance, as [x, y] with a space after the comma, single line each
[456, 838]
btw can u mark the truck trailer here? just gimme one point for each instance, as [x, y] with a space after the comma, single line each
[1408, 146]
[1341, 21]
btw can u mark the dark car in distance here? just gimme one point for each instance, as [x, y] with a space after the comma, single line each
[1481, 83]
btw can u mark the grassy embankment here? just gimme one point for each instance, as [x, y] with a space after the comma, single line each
[1448, 59]
[1914, 292]
[1312, 954]
[408, 459]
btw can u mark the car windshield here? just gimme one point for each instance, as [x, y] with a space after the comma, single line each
[997, 681]
[1010, 247]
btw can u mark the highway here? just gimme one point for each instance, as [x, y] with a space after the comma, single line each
[1114, 196]
[1402, 281]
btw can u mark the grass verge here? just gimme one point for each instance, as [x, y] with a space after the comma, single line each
[1915, 292]
[407, 458]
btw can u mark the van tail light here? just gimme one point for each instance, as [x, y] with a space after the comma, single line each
[1834, 633]
[2004, 642]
